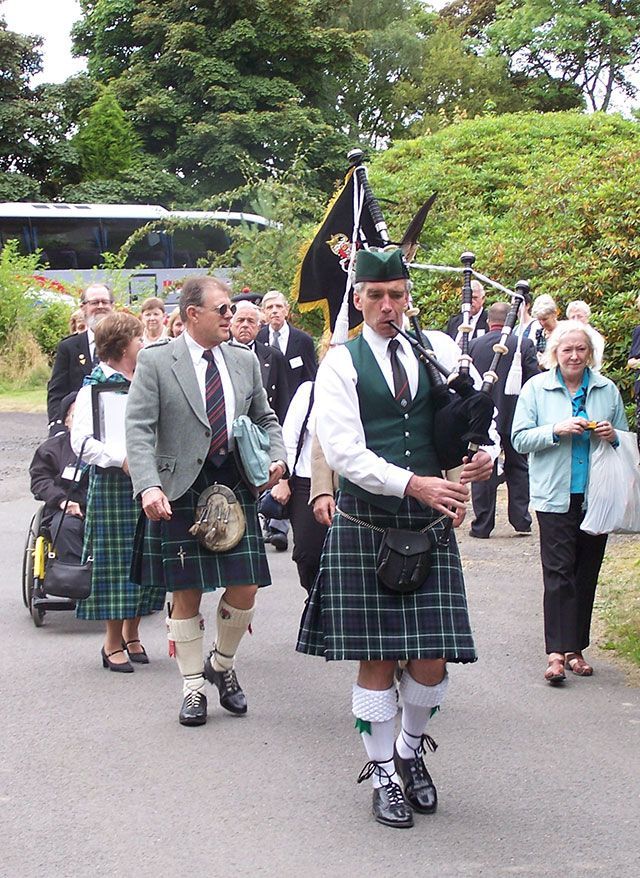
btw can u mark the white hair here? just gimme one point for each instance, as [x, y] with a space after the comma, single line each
[274, 294]
[543, 306]
[578, 305]
[558, 335]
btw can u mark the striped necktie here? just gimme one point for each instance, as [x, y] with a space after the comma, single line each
[216, 413]
[401, 390]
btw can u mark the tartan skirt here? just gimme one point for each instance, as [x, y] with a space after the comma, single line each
[109, 532]
[167, 556]
[349, 616]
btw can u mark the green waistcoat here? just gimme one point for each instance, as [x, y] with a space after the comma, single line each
[402, 436]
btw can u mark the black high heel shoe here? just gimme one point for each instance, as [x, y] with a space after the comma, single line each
[123, 668]
[140, 658]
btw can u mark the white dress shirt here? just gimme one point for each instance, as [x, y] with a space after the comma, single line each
[296, 414]
[95, 451]
[200, 365]
[283, 341]
[92, 344]
[337, 411]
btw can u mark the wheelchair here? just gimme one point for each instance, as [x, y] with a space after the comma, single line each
[34, 569]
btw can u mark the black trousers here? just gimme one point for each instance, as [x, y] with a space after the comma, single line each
[308, 535]
[571, 561]
[483, 494]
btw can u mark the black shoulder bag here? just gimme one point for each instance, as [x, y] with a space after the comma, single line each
[65, 580]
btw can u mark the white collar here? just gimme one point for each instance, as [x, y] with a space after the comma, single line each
[379, 344]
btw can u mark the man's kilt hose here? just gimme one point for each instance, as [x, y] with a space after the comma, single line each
[110, 527]
[167, 556]
[349, 616]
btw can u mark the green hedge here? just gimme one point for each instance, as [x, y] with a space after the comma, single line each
[552, 198]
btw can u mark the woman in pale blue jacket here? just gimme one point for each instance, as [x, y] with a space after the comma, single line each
[560, 415]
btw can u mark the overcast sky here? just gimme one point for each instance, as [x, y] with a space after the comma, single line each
[51, 19]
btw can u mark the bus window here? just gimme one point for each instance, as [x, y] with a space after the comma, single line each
[153, 251]
[190, 245]
[68, 243]
[17, 230]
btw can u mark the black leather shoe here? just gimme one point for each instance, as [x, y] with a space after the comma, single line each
[119, 667]
[138, 658]
[279, 542]
[232, 698]
[194, 709]
[390, 807]
[419, 789]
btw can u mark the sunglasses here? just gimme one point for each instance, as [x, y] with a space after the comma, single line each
[222, 309]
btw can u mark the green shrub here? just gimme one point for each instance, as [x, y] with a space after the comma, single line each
[15, 280]
[49, 323]
[552, 198]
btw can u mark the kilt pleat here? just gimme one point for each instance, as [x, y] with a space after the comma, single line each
[169, 557]
[110, 526]
[348, 616]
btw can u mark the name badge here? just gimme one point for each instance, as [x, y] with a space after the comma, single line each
[480, 332]
[68, 471]
[295, 363]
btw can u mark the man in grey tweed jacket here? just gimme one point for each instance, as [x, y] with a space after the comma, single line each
[183, 400]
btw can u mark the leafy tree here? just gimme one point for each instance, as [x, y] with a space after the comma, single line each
[106, 142]
[552, 198]
[216, 88]
[390, 35]
[591, 44]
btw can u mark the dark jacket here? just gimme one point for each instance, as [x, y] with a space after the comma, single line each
[454, 325]
[300, 352]
[275, 378]
[72, 363]
[47, 466]
[481, 350]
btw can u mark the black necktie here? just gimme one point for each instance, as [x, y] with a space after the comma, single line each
[401, 389]
[216, 412]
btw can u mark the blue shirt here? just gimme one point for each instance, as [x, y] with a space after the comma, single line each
[579, 444]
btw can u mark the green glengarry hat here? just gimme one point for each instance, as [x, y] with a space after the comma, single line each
[378, 266]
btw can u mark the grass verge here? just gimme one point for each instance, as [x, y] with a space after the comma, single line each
[30, 399]
[617, 605]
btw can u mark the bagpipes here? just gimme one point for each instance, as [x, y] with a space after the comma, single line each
[463, 414]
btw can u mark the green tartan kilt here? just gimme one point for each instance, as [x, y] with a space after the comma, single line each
[109, 532]
[349, 616]
[168, 557]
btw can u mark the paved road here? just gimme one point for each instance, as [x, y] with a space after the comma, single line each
[98, 778]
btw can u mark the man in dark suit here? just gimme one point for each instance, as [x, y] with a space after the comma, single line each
[478, 316]
[516, 470]
[296, 346]
[245, 325]
[75, 356]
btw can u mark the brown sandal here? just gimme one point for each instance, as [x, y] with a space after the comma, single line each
[555, 671]
[577, 665]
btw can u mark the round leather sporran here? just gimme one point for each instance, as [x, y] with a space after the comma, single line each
[220, 522]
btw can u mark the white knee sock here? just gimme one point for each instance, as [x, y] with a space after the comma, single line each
[375, 713]
[231, 626]
[418, 704]
[187, 636]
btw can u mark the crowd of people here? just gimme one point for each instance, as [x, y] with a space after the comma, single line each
[150, 405]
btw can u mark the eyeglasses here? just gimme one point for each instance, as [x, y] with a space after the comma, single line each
[97, 302]
[222, 309]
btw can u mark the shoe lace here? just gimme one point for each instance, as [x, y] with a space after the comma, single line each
[193, 698]
[374, 767]
[230, 680]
